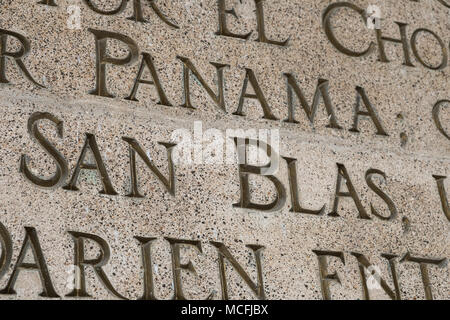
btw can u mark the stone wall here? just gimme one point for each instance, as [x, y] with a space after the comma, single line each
[120, 176]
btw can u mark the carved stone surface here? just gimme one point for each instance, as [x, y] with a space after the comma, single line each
[359, 184]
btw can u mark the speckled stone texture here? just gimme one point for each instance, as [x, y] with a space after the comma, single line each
[63, 60]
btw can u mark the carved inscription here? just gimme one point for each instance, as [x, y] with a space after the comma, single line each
[368, 189]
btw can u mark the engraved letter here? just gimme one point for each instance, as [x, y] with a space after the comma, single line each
[224, 253]
[245, 170]
[441, 43]
[135, 147]
[119, 9]
[223, 28]
[31, 241]
[149, 290]
[139, 16]
[326, 21]
[371, 112]
[48, 3]
[343, 174]
[437, 120]
[91, 144]
[147, 60]
[188, 67]
[444, 3]
[261, 28]
[381, 194]
[259, 95]
[364, 264]
[7, 250]
[443, 195]
[423, 263]
[293, 183]
[101, 39]
[321, 91]
[177, 266]
[325, 277]
[61, 163]
[403, 40]
[17, 55]
[97, 264]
